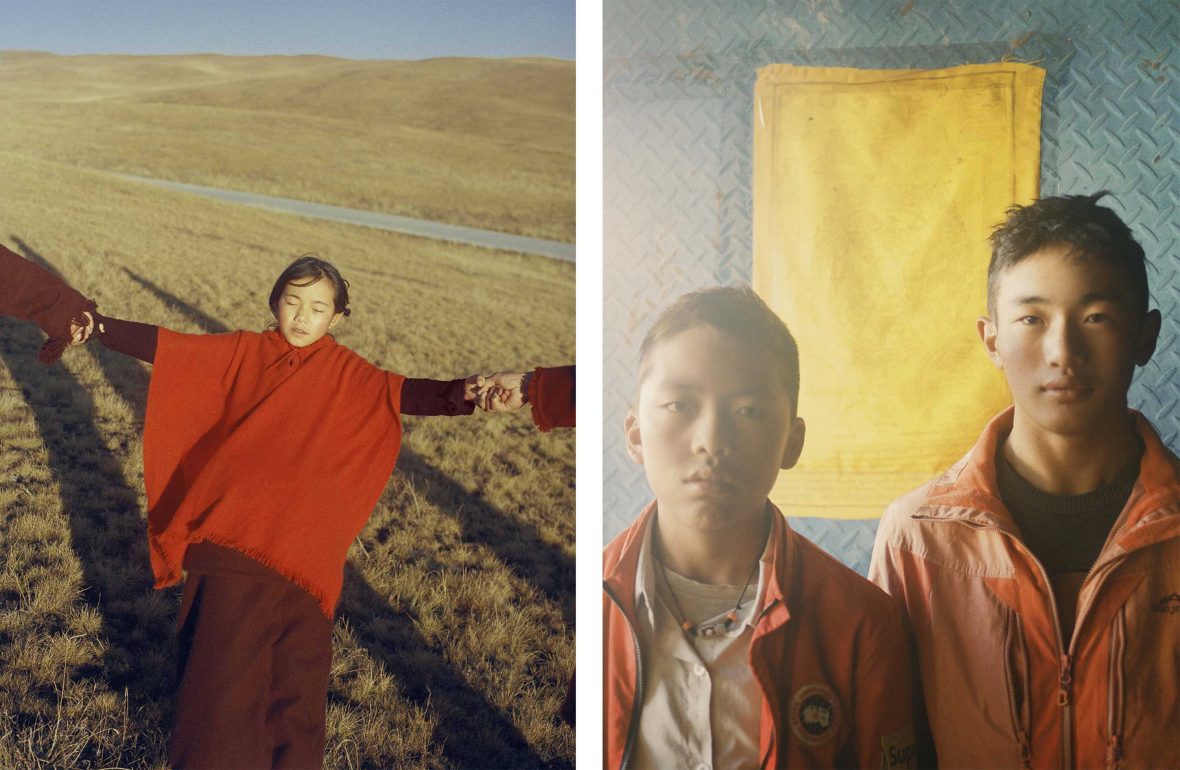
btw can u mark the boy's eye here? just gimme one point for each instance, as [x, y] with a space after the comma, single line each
[749, 411]
[675, 406]
[1029, 320]
[1097, 318]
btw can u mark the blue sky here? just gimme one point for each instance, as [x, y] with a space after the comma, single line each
[354, 29]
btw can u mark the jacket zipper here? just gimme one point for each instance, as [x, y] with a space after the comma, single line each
[1115, 696]
[1011, 629]
[1114, 749]
[1115, 673]
[637, 706]
[1065, 662]
[1064, 659]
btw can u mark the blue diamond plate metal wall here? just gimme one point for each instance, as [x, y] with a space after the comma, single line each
[678, 99]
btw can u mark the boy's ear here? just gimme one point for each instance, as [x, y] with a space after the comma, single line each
[987, 334]
[631, 433]
[1150, 335]
[794, 444]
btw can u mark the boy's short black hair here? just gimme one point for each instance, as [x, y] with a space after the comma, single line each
[738, 312]
[1092, 232]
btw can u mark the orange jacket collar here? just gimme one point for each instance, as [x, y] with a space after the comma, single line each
[968, 491]
[620, 576]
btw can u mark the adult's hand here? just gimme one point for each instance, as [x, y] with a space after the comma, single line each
[504, 392]
[80, 334]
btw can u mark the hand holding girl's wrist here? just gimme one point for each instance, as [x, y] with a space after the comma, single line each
[80, 333]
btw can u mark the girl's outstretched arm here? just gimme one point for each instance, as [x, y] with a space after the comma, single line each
[32, 293]
[128, 337]
[436, 397]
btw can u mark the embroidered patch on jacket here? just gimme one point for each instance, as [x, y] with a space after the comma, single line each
[1169, 605]
[899, 749]
[815, 714]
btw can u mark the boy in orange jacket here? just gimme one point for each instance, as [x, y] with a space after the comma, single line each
[1041, 573]
[731, 641]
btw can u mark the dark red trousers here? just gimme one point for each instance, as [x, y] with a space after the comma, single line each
[254, 654]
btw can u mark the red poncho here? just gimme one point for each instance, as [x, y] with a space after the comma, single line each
[277, 452]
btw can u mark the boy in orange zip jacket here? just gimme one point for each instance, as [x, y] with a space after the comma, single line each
[730, 641]
[1041, 573]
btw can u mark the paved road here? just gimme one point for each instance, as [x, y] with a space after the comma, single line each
[421, 227]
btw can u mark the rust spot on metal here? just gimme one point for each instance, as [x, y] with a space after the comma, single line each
[1155, 64]
[909, 6]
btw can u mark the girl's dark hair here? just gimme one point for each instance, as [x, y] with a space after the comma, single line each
[307, 270]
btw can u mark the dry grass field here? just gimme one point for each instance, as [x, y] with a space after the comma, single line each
[486, 143]
[455, 633]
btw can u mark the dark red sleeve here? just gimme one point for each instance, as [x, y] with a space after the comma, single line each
[30, 292]
[128, 337]
[434, 397]
[551, 392]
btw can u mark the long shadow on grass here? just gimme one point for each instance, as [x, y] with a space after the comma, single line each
[107, 532]
[471, 731]
[205, 322]
[518, 545]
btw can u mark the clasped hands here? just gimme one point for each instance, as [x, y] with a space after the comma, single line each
[499, 392]
[80, 334]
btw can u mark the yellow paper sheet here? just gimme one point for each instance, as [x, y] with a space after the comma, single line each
[874, 194]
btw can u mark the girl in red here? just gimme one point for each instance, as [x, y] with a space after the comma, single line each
[264, 454]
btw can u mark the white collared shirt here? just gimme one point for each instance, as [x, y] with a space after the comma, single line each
[701, 704]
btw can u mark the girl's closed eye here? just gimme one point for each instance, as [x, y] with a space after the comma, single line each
[308, 300]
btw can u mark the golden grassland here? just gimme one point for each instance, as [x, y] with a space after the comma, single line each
[485, 143]
[455, 635]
